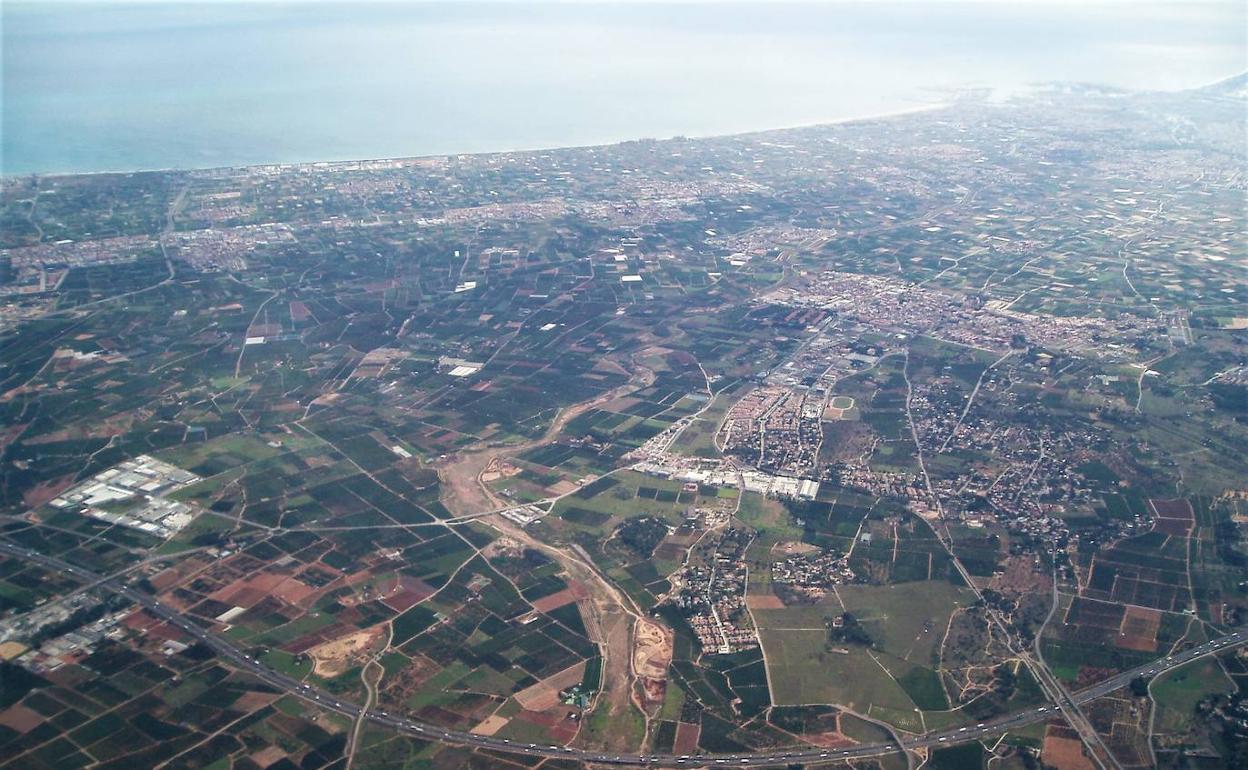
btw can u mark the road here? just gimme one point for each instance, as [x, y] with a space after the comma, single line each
[1049, 684]
[242, 660]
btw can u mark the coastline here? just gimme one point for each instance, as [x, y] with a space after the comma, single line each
[292, 165]
[542, 147]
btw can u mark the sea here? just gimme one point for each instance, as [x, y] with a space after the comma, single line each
[92, 85]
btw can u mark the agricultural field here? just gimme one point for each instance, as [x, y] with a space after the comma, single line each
[889, 678]
[795, 441]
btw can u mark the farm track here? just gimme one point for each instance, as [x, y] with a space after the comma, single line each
[768, 757]
[611, 613]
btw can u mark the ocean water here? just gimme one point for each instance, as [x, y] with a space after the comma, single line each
[102, 86]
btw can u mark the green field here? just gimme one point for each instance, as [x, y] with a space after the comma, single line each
[1177, 693]
[625, 494]
[907, 624]
[698, 440]
[907, 620]
[803, 672]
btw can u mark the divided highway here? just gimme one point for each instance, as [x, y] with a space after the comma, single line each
[325, 700]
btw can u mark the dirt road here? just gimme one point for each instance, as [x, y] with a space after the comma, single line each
[611, 617]
[460, 474]
[611, 614]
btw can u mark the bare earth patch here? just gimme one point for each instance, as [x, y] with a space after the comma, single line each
[652, 649]
[490, 725]
[10, 650]
[20, 718]
[1064, 751]
[252, 700]
[560, 488]
[337, 655]
[793, 547]
[45, 491]
[496, 469]
[267, 756]
[558, 599]
[652, 654]
[545, 694]
[827, 740]
[764, 602]
[1019, 576]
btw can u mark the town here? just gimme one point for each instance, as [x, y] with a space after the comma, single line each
[924, 430]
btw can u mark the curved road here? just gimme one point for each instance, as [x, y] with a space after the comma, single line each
[759, 759]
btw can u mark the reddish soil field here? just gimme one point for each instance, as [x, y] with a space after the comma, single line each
[292, 591]
[407, 597]
[252, 700]
[555, 600]
[155, 628]
[1064, 751]
[20, 718]
[168, 631]
[1173, 527]
[1174, 517]
[245, 597]
[247, 592]
[560, 729]
[268, 756]
[308, 641]
[574, 592]
[1139, 629]
[42, 493]
[168, 578]
[140, 621]
[1174, 509]
[299, 311]
[764, 602]
[686, 738]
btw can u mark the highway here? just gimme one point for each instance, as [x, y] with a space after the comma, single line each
[770, 757]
